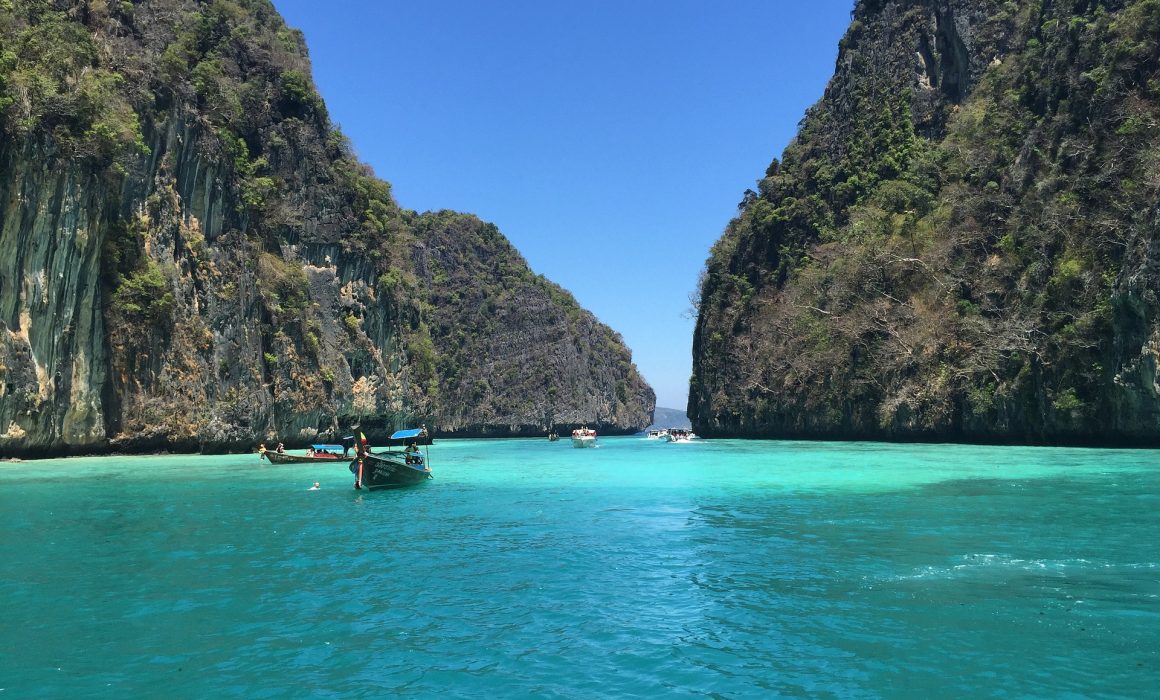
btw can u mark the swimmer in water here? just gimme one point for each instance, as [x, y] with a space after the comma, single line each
[313, 488]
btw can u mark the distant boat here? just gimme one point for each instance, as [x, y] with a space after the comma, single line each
[657, 434]
[584, 437]
[680, 435]
[395, 468]
[316, 453]
[553, 436]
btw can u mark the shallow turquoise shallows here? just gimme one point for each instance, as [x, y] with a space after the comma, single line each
[639, 569]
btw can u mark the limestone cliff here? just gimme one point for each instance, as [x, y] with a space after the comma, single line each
[192, 258]
[961, 242]
[541, 360]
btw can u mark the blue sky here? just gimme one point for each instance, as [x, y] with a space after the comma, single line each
[610, 141]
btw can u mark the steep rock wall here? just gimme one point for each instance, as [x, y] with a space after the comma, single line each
[202, 373]
[53, 362]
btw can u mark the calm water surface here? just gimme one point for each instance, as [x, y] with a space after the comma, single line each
[639, 569]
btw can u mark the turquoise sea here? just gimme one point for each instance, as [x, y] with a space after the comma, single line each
[640, 569]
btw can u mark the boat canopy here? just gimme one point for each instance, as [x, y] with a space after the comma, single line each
[408, 433]
[328, 448]
[419, 436]
[400, 437]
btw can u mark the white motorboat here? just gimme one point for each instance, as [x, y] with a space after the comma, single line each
[584, 437]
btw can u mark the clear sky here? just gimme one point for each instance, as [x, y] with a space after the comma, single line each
[609, 140]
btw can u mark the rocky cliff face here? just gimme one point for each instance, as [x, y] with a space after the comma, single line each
[961, 242]
[191, 258]
[516, 353]
[52, 351]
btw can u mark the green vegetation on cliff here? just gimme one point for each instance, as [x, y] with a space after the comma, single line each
[53, 81]
[959, 244]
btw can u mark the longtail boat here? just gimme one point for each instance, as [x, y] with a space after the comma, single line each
[316, 453]
[393, 468]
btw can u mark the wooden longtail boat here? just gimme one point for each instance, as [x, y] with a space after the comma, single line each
[319, 453]
[393, 468]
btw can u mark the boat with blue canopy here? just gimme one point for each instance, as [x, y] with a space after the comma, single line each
[392, 468]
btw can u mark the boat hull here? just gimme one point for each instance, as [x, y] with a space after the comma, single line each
[389, 471]
[285, 458]
[583, 442]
